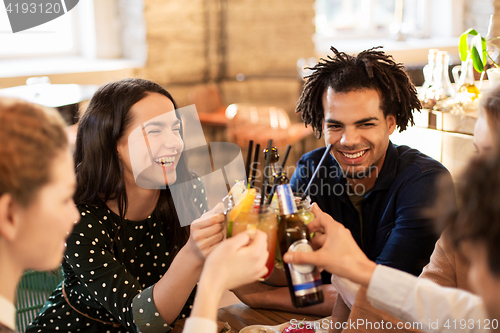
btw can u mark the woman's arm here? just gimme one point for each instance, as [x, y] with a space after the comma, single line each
[234, 262]
[185, 270]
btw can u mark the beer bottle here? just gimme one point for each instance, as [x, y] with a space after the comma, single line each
[304, 281]
[274, 168]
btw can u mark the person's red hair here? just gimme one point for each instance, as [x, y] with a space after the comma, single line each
[30, 137]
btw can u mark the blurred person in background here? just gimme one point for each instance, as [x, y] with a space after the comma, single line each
[37, 183]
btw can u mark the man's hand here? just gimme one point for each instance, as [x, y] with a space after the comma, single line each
[337, 251]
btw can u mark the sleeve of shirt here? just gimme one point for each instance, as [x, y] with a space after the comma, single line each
[346, 288]
[147, 318]
[411, 240]
[301, 175]
[441, 268]
[422, 301]
[199, 324]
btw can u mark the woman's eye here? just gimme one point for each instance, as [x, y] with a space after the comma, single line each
[153, 132]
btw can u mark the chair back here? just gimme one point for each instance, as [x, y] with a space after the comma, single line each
[207, 98]
[258, 123]
[32, 292]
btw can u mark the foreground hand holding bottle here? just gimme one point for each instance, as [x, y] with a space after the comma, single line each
[338, 253]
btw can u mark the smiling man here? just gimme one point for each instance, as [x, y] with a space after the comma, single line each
[377, 190]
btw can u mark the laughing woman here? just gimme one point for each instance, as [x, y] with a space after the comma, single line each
[129, 265]
[37, 183]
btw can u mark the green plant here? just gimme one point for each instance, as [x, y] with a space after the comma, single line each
[477, 49]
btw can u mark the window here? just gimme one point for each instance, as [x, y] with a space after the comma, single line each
[94, 36]
[354, 18]
[56, 37]
[354, 25]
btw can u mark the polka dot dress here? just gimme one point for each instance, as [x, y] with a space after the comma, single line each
[102, 284]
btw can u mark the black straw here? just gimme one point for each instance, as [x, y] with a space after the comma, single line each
[327, 151]
[286, 156]
[265, 180]
[255, 162]
[270, 198]
[249, 158]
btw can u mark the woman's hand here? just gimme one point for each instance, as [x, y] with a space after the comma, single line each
[237, 261]
[206, 232]
[338, 252]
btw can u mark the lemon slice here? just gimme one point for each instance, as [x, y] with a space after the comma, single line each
[238, 192]
[245, 204]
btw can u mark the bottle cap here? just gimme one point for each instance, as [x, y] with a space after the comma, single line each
[275, 157]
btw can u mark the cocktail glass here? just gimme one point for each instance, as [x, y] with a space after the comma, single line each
[263, 219]
[304, 209]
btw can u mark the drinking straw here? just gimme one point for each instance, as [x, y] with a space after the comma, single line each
[249, 158]
[327, 151]
[255, 161]
[265, 180]
[285, 157]
[270, 198]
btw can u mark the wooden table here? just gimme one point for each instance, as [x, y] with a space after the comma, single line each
[240, 315]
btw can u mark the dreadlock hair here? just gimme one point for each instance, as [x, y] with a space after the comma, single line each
[370, 69]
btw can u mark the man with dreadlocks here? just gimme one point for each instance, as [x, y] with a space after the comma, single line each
[378, 190]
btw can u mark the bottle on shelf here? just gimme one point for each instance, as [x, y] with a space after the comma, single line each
[304, 281]
[465, 82]
[442, 85]
[427, 93]
[429, 69]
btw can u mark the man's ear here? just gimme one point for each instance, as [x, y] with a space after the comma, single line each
[8, 222]
[391, 123]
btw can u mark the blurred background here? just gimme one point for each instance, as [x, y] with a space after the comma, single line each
[214, 53]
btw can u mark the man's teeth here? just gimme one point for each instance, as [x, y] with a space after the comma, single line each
[165, 160]
[361, 153]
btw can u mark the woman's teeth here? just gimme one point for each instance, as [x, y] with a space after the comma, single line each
[361, 153]
[165, 161]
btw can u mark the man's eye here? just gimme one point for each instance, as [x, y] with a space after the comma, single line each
[367, 125]
[176, 129]
[334, 127]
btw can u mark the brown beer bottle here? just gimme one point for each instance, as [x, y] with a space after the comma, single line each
[274, 169]
[304, 281]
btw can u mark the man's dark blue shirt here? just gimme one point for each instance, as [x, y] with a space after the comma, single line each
[397, 230]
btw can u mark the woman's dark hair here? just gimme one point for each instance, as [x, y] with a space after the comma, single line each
[370, 69]
[99, 172]
[477, 216]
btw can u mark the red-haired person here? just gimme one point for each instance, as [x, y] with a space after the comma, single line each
[37, 182]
